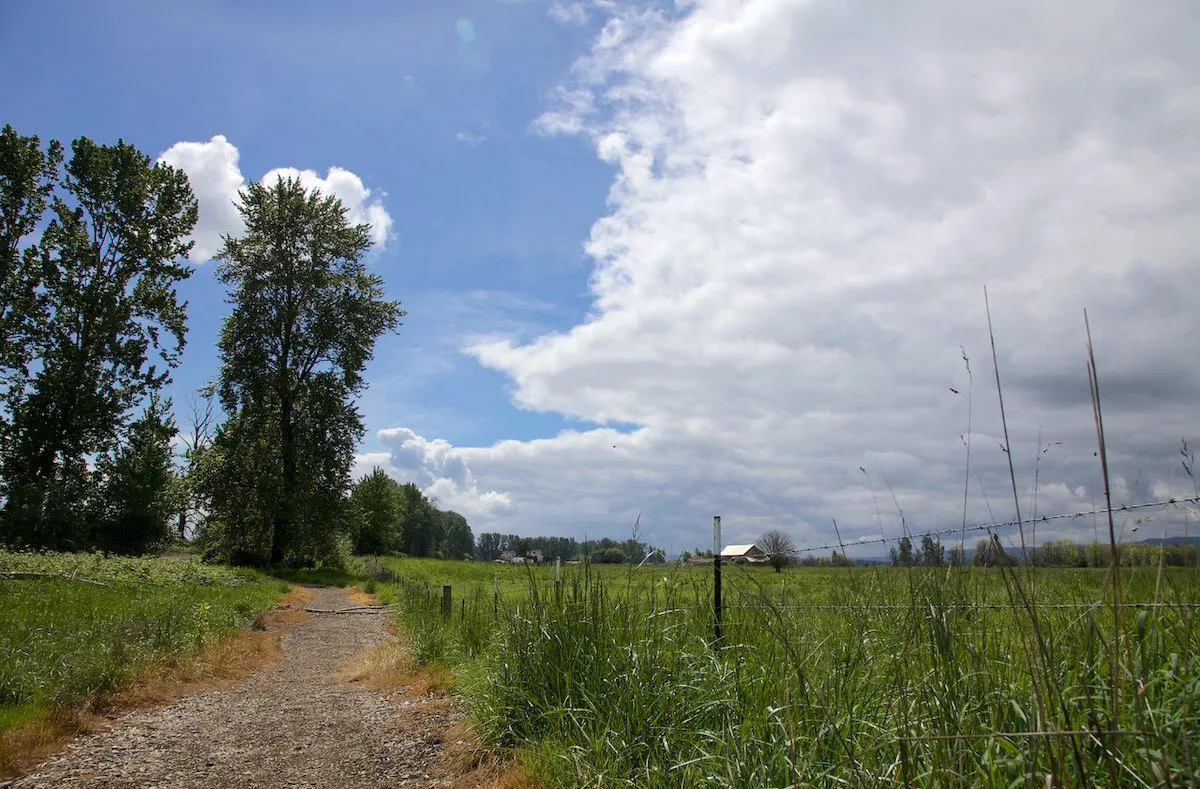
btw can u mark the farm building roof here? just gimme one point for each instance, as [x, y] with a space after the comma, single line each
[741, 550]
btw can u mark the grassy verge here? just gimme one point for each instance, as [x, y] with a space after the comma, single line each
[859, 675]
[75, 627]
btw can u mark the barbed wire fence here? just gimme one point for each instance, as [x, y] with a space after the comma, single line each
[954, 606]
[991, 528]
[995, 527]
[746, 589]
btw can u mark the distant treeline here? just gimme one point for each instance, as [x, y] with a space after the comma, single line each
[387, 517]
[492, 545]
[1064, 553]
[1055, 553]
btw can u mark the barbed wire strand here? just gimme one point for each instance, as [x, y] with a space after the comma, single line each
[945, 607]
[1005, 525]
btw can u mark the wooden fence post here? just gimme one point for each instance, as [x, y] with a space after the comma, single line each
[447, 606]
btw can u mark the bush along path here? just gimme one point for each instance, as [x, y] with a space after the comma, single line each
[295, 724]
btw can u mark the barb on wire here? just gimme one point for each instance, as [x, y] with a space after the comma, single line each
[1007, 524]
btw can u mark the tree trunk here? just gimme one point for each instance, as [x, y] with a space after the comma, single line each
[287, 447]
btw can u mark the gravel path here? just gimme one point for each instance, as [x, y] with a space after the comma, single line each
[291, 725]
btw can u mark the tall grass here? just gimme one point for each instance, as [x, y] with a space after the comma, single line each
[72, 626]
[859, 676]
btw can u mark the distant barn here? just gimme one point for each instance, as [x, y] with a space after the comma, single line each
[748, 553]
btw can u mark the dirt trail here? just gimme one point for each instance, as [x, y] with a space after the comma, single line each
[291, 725]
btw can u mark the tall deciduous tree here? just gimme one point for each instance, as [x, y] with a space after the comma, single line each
[419, 526]
[306, 316]
[139, 494]
[490, 545]
[28, 175]
[97, 308]
[457, 540]
[931, 554]
[196, 440]
[236, 482]
[902, 555]
[375, 500]
[778, 547]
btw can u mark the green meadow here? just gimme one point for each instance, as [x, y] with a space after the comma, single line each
[853, 676]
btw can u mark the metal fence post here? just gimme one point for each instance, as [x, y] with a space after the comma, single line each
[716, 580]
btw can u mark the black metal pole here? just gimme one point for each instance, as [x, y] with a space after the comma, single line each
[716, 600]
[716, 581]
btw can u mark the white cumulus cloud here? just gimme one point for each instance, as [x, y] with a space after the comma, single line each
[807, 202]
[440, 470]
[212, 167]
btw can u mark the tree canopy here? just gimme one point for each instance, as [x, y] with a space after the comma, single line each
[389, 517]
[377, 509]
[779, 548]
[306, 315]
[91, 326]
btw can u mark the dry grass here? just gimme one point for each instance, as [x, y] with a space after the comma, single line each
[384, 666]
[26, 746]
[227, 660]
[359, 597]
[223, 663]
[289, 611]
[477, 767]
[500, 776]
[390, 666]
[432, 681]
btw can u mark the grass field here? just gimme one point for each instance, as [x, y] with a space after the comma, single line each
[855, 676]
[74, 625]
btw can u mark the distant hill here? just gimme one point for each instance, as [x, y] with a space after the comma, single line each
[1170, 541]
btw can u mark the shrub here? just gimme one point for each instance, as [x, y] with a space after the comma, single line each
[375, 570]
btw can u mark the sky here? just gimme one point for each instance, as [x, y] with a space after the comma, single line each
[710, 257]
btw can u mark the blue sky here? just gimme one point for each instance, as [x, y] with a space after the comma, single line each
[381, 89]
[708, 257]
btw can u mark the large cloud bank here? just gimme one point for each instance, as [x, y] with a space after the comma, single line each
[809, 199]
